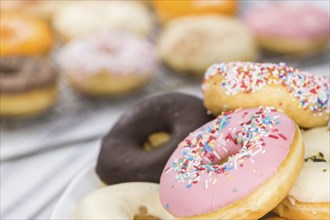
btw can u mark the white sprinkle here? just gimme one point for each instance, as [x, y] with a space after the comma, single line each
[167, 171]
[256, 152]
[216, 155]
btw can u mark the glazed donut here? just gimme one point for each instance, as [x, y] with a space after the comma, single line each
[309, 197]
[27, 86]
[23, 35]
[138, 201]
[109, 63]
[191, 44]
[171, 9]
[43, 9]
[122, 158]
[238, 166]
[84, 18]
[302, 96]
[290, 28]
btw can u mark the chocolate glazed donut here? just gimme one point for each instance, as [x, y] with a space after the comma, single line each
[122, 158]
[22, 73]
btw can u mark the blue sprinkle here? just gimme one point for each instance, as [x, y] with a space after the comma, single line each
[228, 168]
[278, 122]
[225, 124]
[166, 205]
[209, 147]
[188, 185]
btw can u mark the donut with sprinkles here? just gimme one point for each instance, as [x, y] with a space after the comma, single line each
[242, 160]
[301, 95]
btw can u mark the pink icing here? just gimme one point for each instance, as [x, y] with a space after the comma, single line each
[256, 141]
[297, 21]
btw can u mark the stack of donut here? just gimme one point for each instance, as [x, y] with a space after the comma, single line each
[107, 53]
[28, 81]
[246, 162]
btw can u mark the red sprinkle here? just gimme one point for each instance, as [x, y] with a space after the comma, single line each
[282, 136]
[273, 136]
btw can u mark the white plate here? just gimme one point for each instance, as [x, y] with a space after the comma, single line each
[85, 182]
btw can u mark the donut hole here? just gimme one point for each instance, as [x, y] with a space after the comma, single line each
[218, 158]
[223, 160]
[105, 48]
[144, 215]
[156, 140]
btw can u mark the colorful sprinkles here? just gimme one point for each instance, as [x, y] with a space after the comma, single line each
[312, 91]
[199, 151]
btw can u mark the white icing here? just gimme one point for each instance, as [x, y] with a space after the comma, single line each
[83, 18]
[313, 182]
[121, 201]
[114, 52]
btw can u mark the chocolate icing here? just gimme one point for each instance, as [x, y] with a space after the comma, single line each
[122, 158]
[20, 74]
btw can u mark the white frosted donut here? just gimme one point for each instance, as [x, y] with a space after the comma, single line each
[82, 18]
[309, 197]
[191, 44]
[122, 201]
[108, 63]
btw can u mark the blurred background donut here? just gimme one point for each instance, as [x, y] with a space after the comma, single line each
[85, 17]
[190, 44]
[172, 9]
[289, 28]
[24, 35]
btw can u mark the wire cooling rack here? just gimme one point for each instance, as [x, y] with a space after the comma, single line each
[71, 103]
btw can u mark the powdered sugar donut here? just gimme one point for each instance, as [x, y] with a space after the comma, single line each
[108, 63]
[290, 27]
[301, 95]
[82, 18]
[309, 197]
[238, 166]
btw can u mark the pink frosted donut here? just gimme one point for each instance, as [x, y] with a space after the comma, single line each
[289, 27]
[238, 166]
